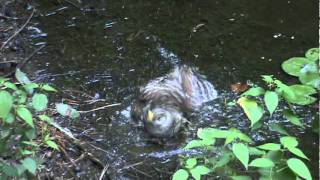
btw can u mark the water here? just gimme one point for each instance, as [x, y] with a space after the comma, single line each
[107, 49]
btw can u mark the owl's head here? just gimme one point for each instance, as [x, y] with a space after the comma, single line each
[163, 121]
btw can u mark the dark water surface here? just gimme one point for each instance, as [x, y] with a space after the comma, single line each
[106, 49]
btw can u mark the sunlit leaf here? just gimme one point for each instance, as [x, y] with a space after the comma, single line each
[52, 144]
[292, 117]
[181, 174]
[46, 118]
[20, 96]
[39, 102]
[293, 65]
[30, 164]
[66, 110]
[311, 79]
[297, 152]
[211, 133]
[241, 151]
[284, 90]
[10, 118]
[270, 146]
[262, 162]
[198, 171]
[22, 77]
[267, 78]
[30, 87]
[312, 54]
[256, 151]
[253, 111]
[6, 102]
[300, 95]
[191, 162]
[289, 141]
[254, 91]
[297, 166]
[26, 115]
[10, 85]
[271, 100]
[49, 88]
[199, 143]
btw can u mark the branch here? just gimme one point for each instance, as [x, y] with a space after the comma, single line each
[17, 32]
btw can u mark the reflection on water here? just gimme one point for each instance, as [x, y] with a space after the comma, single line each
[108, 49]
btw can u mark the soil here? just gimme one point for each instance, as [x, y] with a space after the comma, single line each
[13, 14]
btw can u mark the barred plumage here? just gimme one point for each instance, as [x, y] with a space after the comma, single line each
[170, 98]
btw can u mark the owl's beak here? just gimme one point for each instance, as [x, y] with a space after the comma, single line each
[150, 116]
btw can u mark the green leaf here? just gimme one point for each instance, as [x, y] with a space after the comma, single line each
[225, 159]
[30, 87]
[199, 143]
[267, 78]
[271, 100]
[241, 151]
[26, 115]
[298, 167]
[10, 85]
[30, 164]
[9, 170]
[278, 128]
[293, 65]
[254, 91]
[198, 171]
[262, 163]
[20, 96]
[285, 90]
[311, 79]
[39, 102]
[48, 88]
[292, 117]
[270, 146]
[181, 174]
[312, 54]
[289, 141]
[301, 95]
[211, 133]
[6, 102]
[253, 111]
[66, 110]
[10, 118]
[46, 118]
[297, 152]
[240, 177]
[52, 144]
[22, 77]
[256, 151]
[191, 162]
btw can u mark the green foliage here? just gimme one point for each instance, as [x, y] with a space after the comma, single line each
[298, 167]
[272, 160]
[22, 107]
[241, 151]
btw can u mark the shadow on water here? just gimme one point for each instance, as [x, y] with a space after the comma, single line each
[106, 50]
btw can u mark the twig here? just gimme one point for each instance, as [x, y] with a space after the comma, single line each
[99, 108]
[21, 65]
[103, 172]
[130, 166]
[72, 3]
[8, 17]
[17, 32]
